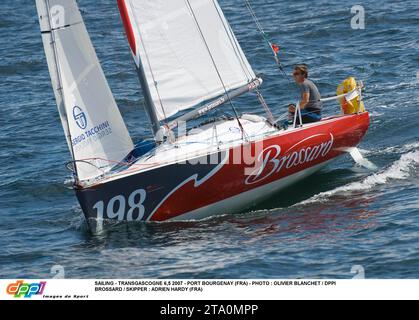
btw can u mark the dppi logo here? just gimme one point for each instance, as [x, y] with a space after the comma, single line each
[20, 289]
[80, 117]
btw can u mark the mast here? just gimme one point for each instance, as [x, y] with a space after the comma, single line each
[148, 100]
[149, 103]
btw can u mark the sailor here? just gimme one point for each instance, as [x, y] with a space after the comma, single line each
[310, 103]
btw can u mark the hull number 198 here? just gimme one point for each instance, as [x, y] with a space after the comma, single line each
[119, 208]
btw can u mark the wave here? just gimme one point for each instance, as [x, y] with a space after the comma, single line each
[410, 147]
[396, 149]
[402, 169]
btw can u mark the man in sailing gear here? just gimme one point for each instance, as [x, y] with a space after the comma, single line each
[310, 103]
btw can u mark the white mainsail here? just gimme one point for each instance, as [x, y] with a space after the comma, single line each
[95, 130]
[178, 43]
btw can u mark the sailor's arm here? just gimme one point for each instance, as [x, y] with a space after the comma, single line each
[304, 100]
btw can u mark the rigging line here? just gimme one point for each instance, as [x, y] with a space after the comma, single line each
[255, 17]
[256, 20]
[258, 93]
[216, 68]
[266, 38]
[235, 45]
[265, 106]
[155, 83]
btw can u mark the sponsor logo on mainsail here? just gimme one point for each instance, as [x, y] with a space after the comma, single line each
[273, 161]
[80, 117]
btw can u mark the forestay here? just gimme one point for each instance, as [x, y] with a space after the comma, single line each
[91, 119]
[177, 44]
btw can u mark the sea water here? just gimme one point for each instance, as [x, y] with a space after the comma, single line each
[342, 222]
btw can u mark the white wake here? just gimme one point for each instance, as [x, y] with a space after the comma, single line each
[402, 169]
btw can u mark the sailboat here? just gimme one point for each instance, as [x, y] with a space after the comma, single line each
[189, 63]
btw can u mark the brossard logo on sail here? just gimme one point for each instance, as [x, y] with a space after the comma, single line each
[96, 133]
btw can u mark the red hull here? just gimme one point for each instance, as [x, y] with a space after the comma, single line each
[245, 175]
[231, 180]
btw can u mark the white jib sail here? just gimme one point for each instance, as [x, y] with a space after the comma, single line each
[95, 130]
[171, 39]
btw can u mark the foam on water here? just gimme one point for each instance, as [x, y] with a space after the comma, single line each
[400, 149]
[400, 170]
